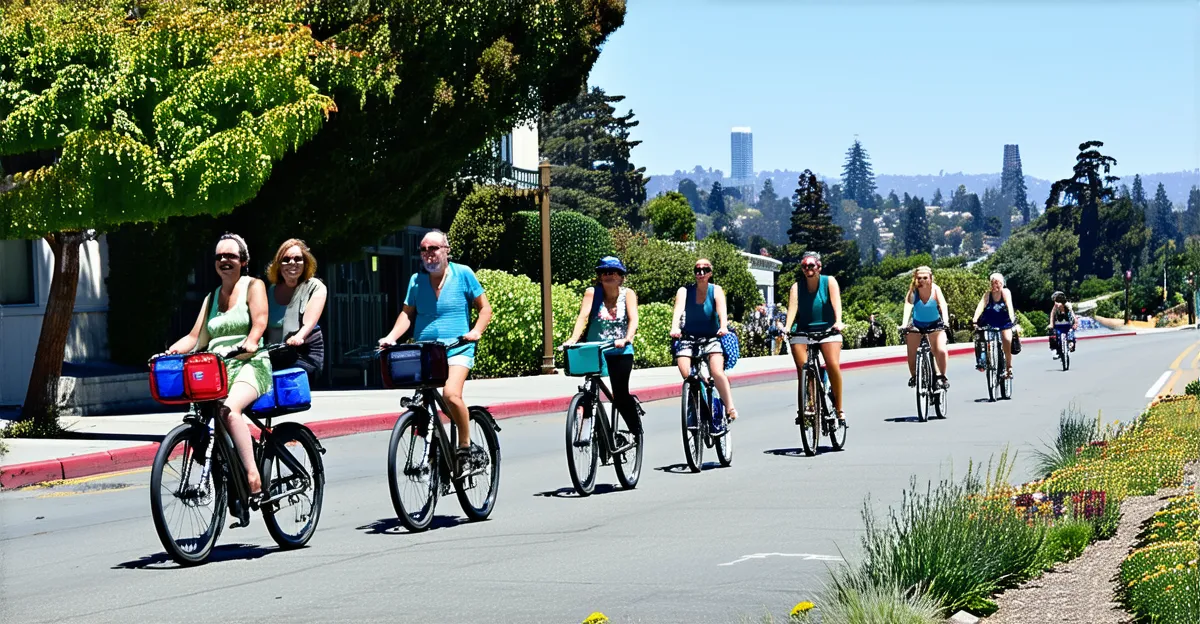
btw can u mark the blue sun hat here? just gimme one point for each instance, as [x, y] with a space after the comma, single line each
[611, 263]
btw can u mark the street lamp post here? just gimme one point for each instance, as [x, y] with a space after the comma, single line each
[547, 311]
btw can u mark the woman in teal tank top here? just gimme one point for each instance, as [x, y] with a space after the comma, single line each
[234, 316]
[701, 306]
[815, 306]
[925, 308]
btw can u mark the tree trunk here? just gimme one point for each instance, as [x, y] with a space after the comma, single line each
[41, 398]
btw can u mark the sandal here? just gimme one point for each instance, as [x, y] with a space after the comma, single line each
[841, 416]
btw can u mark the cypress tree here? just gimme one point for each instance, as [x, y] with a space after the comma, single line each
[812, 222]
[858, 180]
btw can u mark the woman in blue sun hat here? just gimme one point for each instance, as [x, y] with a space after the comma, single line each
[610, 312]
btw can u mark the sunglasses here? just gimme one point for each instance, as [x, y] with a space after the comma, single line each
[226, 256]
[608, 272]
[808, 266]
[292, 260]
[431, 248]
[703, 270]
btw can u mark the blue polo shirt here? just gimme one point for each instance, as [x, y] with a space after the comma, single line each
[446, 317]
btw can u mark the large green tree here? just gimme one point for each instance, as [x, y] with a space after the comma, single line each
[689, 190]
[868, 238]
[333, 121]
[1013, 189]
[1163, 224]
[671, 217]
[1191, 218]
[916, 227]
[1083, 193]
[587, 143]
[1138, 194]
[812, 222]
[858, 180]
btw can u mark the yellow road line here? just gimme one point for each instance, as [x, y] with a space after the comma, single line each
[100, 491]
[1196, 359]
[88, 479]
[1169, 387]
[1179, 360]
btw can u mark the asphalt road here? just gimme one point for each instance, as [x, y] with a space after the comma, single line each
[726, 545]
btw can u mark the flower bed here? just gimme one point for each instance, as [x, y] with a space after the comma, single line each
[1160, 580]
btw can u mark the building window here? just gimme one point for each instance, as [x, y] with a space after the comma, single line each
[506, 148]
[16, 280]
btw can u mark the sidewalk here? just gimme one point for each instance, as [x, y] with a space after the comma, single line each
[113, 443]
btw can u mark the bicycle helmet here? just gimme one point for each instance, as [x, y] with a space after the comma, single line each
[1059, 296]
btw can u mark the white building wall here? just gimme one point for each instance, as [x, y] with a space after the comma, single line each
[525, 146]
[21, 325]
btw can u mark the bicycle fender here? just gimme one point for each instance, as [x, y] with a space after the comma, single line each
[295, 425]
[483, 412]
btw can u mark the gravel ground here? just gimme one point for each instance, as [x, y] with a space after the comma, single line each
[1081, 591]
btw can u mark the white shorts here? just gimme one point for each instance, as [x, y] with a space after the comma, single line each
[805, 340]
[465, 361]
[710, 347]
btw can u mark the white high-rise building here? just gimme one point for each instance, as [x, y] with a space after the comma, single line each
[741, 149]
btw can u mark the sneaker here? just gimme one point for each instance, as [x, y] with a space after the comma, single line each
[1071, 347]
[462, 461]
[1055, 355]
[912, 382]
[943, 383]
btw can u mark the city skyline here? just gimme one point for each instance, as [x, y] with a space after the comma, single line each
[924, 89]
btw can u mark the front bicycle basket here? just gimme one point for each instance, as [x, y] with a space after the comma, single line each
[414, 366]
[586, 358]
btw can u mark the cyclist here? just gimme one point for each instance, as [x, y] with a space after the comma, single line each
[438, 304]
[815, 305]
[610, 312]
[925, 306]
[995, 309]
[701, 308]
[234, 318]
[1064, 319]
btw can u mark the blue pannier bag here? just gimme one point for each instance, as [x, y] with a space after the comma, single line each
[291, 388]
[729, 344]
[265, 402]
[166, 376]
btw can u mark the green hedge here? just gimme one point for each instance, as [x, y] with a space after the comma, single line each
[512, 345]
[652, 344]
[1039, 320]
[577, 242]
[479, 231]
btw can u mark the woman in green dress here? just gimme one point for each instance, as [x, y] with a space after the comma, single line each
[233, 318]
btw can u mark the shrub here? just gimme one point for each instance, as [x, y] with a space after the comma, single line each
[1038, 320]
[577, 243]
[963, 336]
[1027, 328]
[512, 345]
[1075, 432]
[1109, 308]
[479, 231]
[732, 271]
[1065, 540]
[1193, 388]
[1094, 287]
[854, 600]
[671, 217]
[652, 343]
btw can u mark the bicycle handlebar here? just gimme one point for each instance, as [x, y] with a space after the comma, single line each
[227, 354]
[604, 344]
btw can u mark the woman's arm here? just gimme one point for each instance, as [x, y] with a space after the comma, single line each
[581, 320]
[908, 307]
[312, 314]
[680, 297]
[256, 299]
[722, 313]
[482, 304]
[979, 308]
[188, 342]
[792, 306]
[1012, 313]
[631, 312]
[943, 305]
[835, 298]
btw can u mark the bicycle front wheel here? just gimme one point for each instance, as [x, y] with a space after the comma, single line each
[477, 489]
[810, 411]
[582, 445]
[992, 370]
[693, 436]
[413, 477]
[187, 494]
[292, 528]
[628, 463]
[1064, 353]
[923, 380]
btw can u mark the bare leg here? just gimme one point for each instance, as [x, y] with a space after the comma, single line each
[452, 392]
[716, 366]
[1006, 337]
[940, 355]
[242, 394]
[833, 366]
[685, 366]
[913, 340]
[800, 358]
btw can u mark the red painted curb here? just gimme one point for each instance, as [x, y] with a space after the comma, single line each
[19, 475]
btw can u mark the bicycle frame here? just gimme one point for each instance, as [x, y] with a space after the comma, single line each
[593, 386]
[700, 374]
[434, 405]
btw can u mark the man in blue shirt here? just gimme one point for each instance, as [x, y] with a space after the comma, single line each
[438, 307]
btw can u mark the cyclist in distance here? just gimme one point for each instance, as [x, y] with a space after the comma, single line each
[925, 308]
[1063, 318]
[610, 312]
[996, 310]
[438, 305]
[234, 318]
[702, 306]
[815, 305]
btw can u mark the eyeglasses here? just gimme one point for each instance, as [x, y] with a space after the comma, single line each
[226, 256]
[703, 270]
[431, 248]
[608, 272]
[808, 266]
[292, 260]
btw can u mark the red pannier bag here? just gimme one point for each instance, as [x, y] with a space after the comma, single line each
[205, 377]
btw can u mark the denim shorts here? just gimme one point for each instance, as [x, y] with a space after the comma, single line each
[467, 361]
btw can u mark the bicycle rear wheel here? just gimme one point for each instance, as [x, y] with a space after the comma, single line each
[724, 443]
[478, 488]
[628, 463]
[810, 411]
[187, 494]
[1005, 380]
[837, 428]
[693, 436]
[413, 475]
[1064, 353]
[582, 445]
[990, 357]
[922, 387]
[298, 441]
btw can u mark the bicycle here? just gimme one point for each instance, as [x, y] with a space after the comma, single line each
[205, 464]
[995, 365]
[927, 386]
[1060, 333]
[815, 416]
[421, 454]
[702, 404]
[591, 440]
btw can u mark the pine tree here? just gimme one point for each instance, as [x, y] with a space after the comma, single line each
[1139, 194]
[937, 198]
[916, 227]
[689, 190]
[958, 200]
[1191, 219]
[776, 213]
[858, 180]
[1013, 189]
[1085, 191]
[812, 223]
[973, 206]
[1163, 225]
[716, 207]
[868, 238]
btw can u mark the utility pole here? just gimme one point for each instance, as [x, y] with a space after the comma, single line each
[1128, 277]
[547, 309]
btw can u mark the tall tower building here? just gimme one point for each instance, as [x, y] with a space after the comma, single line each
[741, 151]
[1012, 159]
[1012, 182]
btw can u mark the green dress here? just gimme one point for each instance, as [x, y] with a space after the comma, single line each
[228, 329]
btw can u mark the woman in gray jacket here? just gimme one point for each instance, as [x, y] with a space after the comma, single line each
[296, 300]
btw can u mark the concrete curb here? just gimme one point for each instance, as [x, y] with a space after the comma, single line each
[20, 475]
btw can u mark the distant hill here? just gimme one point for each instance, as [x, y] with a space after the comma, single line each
[1177, 184]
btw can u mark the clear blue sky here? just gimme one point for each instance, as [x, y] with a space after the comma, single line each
[927, 85]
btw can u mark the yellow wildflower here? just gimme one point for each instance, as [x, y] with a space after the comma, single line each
[596, 618]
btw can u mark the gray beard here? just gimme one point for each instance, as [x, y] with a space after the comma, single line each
[433, 267]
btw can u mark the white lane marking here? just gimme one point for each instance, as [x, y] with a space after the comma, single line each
[804, 556]
[1158, 385]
